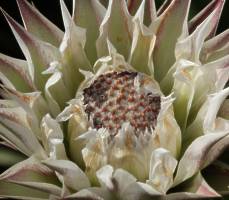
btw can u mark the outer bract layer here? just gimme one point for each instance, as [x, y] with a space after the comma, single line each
[127, 103]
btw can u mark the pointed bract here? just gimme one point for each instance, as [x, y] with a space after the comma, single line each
[39, 25]
[17, 72]
[93, 10]
[167, 34]
[119, 33]
[38, 54]
[200, 17]
[215, 48]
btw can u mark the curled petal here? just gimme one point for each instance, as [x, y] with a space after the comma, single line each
[168, 81]
[74, 107]
[166, 123]
[215, 101]
[53, 138]
[56, 93]
[196, 82]
[162, 167]
[122, 152]
[104, 176]
[95, 151]
[113, 62]
[121, 184]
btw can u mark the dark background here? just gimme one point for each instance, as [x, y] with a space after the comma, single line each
[51, 9]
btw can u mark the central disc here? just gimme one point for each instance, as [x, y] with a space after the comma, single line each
[113, 99]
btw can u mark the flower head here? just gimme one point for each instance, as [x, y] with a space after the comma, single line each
[125, 116]
[126, 103]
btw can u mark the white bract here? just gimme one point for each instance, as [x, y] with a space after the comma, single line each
[127, 103]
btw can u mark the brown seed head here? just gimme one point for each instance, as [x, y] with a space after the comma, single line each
[112, 99]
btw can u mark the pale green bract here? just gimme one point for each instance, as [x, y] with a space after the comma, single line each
[42, 114]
